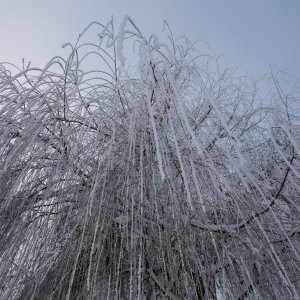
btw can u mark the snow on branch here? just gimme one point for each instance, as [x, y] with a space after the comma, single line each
[152, 175]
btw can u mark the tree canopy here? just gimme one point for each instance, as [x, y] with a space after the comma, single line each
[165, 179]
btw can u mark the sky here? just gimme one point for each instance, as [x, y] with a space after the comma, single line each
[251, 35]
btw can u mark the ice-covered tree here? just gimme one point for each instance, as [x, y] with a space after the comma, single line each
[166, 179]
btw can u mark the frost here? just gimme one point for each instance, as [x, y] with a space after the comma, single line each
[163, 179]
[120, 41]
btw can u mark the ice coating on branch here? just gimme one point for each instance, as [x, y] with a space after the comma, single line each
[156, 139]
[164, 180]
[120, 41]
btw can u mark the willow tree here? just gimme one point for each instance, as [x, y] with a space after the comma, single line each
[163, 180]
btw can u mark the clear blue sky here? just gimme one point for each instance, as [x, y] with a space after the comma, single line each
[250, 34]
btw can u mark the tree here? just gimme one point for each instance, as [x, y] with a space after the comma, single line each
[167, 181]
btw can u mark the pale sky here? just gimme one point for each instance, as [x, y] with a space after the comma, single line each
[249, 34]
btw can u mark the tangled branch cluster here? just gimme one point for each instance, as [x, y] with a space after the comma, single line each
[167, 181]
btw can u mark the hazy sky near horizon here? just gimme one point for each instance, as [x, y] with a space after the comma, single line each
[249, 34]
